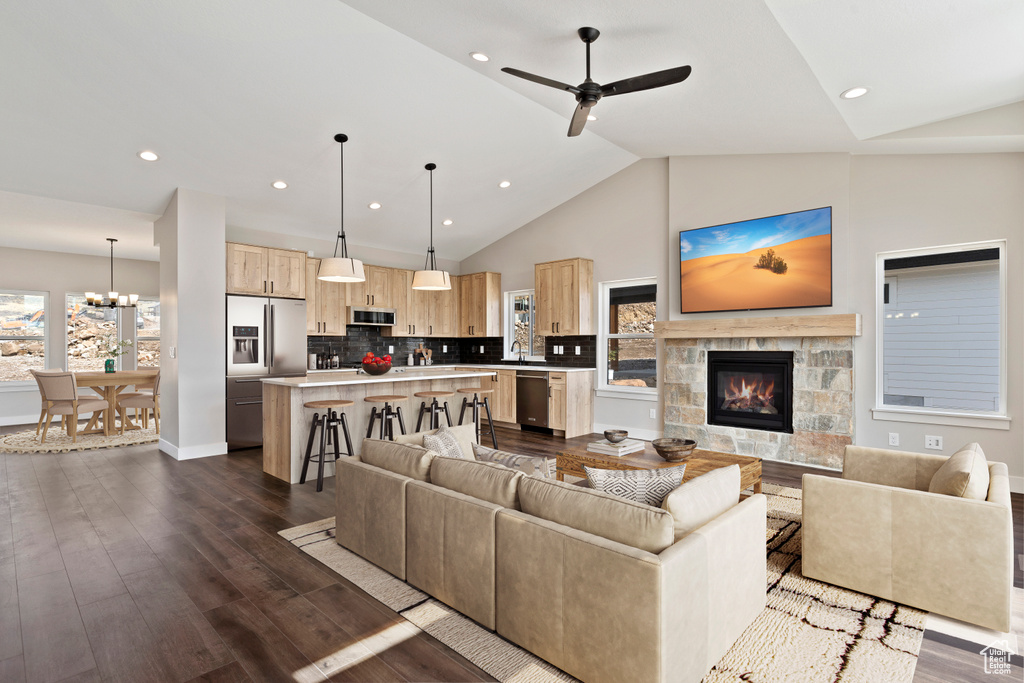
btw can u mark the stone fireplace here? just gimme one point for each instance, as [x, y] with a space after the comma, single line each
[751, 389]
[822, 412]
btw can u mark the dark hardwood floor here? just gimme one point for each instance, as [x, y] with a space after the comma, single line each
[126, 565]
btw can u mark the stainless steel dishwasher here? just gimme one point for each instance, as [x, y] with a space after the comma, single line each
[532, 398]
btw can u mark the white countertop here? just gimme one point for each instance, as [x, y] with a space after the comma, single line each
[413, 374]
[469, 366]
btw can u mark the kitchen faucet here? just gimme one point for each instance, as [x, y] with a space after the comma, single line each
[522, 361]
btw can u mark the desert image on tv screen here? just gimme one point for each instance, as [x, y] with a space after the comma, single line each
[775, 262]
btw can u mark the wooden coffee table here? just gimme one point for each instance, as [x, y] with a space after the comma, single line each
[697, 464]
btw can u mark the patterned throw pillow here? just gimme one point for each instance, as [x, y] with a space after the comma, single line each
[530, 465]
[640, 486]
[444, 443]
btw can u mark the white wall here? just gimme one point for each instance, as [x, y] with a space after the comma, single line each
[629, 225]
[620, 223]
[193, 318]
[58, 274]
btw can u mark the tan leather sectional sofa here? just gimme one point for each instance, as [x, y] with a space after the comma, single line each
[589, 582]
[879, 531]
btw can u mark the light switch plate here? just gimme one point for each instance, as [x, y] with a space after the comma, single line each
[654, 413]
[444, 348]
[933, 442]
[481, 349]
[174, 352]
[391, 349]
[577, 350]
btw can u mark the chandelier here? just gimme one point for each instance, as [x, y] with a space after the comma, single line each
[113, 299]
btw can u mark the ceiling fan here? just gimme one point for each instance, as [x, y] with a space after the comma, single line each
[588, 92]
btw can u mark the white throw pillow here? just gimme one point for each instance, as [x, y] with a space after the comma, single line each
[964, 474]
[444, 443]
[703, 498]
[640, 486]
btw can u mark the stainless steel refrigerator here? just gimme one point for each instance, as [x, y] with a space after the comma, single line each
[266, 337]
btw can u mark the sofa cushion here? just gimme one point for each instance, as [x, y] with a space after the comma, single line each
[617, 519]
[703, 498]
[530, 465]
[445, 443]
[401, 458]
[466, 435]
[642, 486]
[484, 480]
[964, 474]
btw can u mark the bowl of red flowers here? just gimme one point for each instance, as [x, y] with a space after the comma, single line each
[376, 365]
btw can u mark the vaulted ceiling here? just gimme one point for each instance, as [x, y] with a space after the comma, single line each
[236, 94]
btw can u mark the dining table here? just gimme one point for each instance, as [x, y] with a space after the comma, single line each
[109, 386]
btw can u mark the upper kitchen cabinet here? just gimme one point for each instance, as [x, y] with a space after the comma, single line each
[376, 290]
[262, 270]
[420, 313]
[480, 305]
[325, 304]
[564, 297]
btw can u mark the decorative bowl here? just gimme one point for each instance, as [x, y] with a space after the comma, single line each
[376, 368]
[674, 450]
[615, 435]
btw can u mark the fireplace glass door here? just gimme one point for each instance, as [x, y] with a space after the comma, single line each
[751, 389]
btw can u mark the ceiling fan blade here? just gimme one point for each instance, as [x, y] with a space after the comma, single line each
[540, 79]
[646, 82]
[579, 119]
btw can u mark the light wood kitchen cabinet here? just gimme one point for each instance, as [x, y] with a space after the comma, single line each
[571, 403]
[480, 305]
[443, 311]
[410, 306]
[263, 270]
[503, 400]
[556, 400]
[325, 304]
[564, 297]
[376, 290]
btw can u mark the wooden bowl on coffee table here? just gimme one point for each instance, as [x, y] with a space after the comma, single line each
[674, 450]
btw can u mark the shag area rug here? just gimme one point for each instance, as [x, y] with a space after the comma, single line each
[809, 632]
[57, 441]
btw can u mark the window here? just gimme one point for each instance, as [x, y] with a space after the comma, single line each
[148, 324]
[519, 326]
[942, 330]
[627, 346]
[22, 335]
[89, 330]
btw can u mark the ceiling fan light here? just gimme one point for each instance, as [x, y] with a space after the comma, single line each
[431, 280]
[339, 269]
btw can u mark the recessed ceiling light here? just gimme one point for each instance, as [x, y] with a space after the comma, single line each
[146, 155]
[854, 93]
[503, 184]
[374, 205]
[279, 184]
[479, 56]
[447, 221]
[591, 117]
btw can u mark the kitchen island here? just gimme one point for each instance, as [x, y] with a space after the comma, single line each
[286, 422]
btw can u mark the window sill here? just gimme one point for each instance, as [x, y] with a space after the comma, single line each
[629, 394]
[529, 359]
[940, 418]
[17, 385]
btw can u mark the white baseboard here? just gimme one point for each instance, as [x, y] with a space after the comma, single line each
[31, 420]
[645, 434]
[192, 452]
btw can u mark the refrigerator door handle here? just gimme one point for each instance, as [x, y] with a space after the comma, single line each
[266, 336]
[270, 335]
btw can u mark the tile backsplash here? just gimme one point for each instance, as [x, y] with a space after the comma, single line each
[363, 338]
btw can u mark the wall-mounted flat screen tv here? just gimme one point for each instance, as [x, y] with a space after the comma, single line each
[774, 262]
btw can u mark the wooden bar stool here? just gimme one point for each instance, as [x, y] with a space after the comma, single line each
[328, 424]
[386, 414]
[475, 405]
[434, 409]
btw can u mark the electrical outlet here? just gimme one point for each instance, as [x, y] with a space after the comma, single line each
[174, 352]
[933, 442]
[654, 413]
[894, 439]
[391, 349]
[481, 349]
[444, 348]
[577, 350]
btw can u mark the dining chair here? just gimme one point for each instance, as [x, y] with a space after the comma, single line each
[143, 400]
[60, 397]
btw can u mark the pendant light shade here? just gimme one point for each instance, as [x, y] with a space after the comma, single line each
[430, 278]
[341, 268]
[113, 299]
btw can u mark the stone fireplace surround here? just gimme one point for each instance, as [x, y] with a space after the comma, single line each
[823, 412]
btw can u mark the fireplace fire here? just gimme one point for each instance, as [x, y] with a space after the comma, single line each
[751, 389]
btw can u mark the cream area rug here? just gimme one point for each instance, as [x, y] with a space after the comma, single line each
[57, 441]
[809, 632]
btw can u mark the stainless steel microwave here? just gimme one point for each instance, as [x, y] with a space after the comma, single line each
[369, 315]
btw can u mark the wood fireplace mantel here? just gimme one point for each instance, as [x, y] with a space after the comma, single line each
[840, 325]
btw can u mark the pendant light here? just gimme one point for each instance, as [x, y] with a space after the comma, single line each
[341, 268]
[113, 300]
[430, 278]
